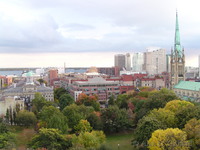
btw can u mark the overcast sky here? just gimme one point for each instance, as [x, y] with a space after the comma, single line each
[89, 32]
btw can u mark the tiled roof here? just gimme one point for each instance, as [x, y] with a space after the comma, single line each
[188, 85]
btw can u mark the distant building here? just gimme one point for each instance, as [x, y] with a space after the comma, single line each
[188, 90]
[52, 74]
[120, 61]
[177, 59]
[138, 62]
[128, 62]
[168, 63]
[155, 61]
[10, 103]
[27, 89]
[199, 66]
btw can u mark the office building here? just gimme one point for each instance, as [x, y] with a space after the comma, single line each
[138, 62]
[120, 61]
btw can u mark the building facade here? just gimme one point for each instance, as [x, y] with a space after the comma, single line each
[188, 90]
[120, 61]
[177, 59]
[128, 62]
[138, 62]
[155, 61]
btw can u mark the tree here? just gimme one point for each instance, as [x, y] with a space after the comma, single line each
[156, 99]
[95, 121]
[7, 139]
[75, 113]
[51, 117]
[166, 117]
[115, 119]
[176, 105]
[25, 118]
[122, 101]
[111, 100]
[169, 139]
[83, 126]
[91, 100]
[185, 114]
[39, 102]
[42, 81]
[192, 128]
[50, 139]
[88, 140]
[146, 126]
[59, 92]
[65, 100]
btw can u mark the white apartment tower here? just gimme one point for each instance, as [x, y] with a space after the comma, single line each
[138, 62]
[155, 61]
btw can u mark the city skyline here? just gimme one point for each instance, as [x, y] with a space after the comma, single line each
[49, 33]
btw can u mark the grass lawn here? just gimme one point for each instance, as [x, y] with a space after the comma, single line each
[123, 139]
[23, 135]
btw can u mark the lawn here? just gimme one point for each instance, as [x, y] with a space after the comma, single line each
[121, 139]
[23, 135]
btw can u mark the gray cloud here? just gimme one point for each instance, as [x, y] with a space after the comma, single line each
[91, 26]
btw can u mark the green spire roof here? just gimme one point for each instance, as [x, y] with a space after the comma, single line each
[177, 43]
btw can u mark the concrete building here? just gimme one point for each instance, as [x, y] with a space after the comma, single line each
[168, 63]
[128, 61]
[120, 61]
[155, 61]
[138, 62]
[177, 59]
[10, 102]
[188, 90]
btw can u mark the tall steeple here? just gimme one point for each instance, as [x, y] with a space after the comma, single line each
[177, 58]
[177, 43]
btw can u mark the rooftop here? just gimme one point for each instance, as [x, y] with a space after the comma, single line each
[188, 85]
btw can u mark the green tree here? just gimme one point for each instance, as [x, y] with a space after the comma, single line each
[83, 126]
[156, 99]
[65, 100]
[7, 139]
[53, 118]
[88, 140]
[25, 118]
[192, 128]
[39, 102]
[59, 92]
[95, 121]
[75, 113]
[50, 139]
[111, 100]
[166, 117]
[115, 119]
[146, 126]
[186, 113]
[169, 139]
[122, 101]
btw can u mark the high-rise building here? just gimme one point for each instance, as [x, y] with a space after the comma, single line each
[168, 63]
[155, 61]
[120, 61]
[128, 62]
[177, 58]
[138, 62]
[199, 66]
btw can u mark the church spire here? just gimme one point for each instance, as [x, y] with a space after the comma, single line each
[177, 43]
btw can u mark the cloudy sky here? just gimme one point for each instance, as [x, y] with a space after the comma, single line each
[87, 33]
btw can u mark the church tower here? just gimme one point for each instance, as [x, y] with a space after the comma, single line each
[177, 58]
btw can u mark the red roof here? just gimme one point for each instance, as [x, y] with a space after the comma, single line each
[127, 77]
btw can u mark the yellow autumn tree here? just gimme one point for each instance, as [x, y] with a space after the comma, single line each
[177, 105]
[169, 139]
[192, 128]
